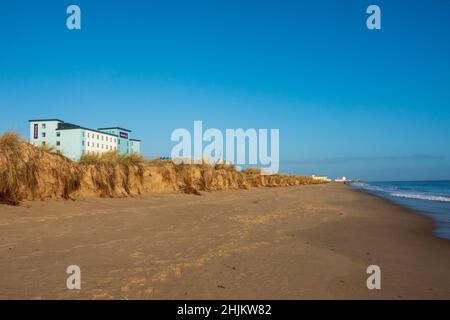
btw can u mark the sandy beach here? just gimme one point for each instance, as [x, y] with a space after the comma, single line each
[305, 242]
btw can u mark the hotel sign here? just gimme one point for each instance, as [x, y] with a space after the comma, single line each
[36, 130]
[123, 135]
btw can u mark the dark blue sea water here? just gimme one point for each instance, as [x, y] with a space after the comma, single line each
[431, 198]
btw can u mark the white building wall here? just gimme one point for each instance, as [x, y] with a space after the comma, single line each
[96, 142]
[135, 146]
[46, 132]
[69, 143]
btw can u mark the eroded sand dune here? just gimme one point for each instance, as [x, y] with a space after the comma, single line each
[29, 173]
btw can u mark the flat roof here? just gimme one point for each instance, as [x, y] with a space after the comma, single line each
[83, 128]
[115, 128]
[72, 126]
[41, 120]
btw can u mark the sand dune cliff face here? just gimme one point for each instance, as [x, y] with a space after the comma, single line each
[28, 173]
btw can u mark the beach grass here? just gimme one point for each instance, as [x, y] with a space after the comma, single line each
[28, 172]
[13, 173]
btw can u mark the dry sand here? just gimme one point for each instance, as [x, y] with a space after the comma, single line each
[303, 242]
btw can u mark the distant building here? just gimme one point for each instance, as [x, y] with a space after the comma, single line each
[321, 178]
[343, 179]
[73, 140]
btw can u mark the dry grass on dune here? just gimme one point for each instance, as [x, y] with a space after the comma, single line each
[24, 170]
[112, 158]
[47, 148]
[252, 171]
[12, 171]
[109, 172]
[157, 162]
[32, 173]
[225, 166]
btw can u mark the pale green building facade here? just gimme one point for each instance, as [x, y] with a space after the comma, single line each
[73, 140]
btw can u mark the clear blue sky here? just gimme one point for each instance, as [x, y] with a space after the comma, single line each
[348, 101]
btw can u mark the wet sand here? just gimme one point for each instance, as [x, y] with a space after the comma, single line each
[307, 242]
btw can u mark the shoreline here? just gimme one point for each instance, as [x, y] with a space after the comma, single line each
[305, 242]
[404, 208]
[412, 210]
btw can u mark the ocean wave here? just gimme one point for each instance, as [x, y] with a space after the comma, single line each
[359, 184]
[372, 187]
[419, 196]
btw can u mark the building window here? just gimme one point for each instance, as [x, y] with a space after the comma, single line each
[43, 134]
[88, 134]
[58, 143]
[82, 143]
[43, 142]
[58, 134]
[98, 146]
[88, 143]
[98, 137]
[82, 133]
[44, 126]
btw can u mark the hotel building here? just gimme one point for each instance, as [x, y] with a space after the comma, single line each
[73, 140]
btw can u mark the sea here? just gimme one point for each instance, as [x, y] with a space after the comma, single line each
[430, 198]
